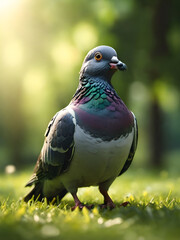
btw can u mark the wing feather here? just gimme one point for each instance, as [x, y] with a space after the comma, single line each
[58, 148]
[132, 149]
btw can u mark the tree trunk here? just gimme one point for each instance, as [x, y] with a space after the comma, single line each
[159, 51]
[156, 134]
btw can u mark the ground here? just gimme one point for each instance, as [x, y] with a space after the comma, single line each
[153, 212]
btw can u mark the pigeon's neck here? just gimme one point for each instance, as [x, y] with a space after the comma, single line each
[100, 111]
[104, 75]
[95, 94]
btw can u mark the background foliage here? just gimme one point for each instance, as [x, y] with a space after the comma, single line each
[42, 45]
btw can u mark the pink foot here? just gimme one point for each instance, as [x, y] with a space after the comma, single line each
[109, 205]
[81, 206]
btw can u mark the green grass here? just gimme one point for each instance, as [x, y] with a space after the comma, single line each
[154, 212]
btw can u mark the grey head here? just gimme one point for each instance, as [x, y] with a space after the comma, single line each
[101, 62]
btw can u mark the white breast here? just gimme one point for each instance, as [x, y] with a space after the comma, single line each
[95, 161]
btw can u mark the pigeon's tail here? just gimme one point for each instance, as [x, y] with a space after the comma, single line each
[37, 194]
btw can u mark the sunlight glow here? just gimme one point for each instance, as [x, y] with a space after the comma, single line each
[13, 54]
[6, 6]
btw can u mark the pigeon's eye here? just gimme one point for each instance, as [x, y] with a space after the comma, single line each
[98, 56]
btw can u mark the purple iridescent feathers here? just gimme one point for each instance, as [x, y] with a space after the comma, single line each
[96, 99]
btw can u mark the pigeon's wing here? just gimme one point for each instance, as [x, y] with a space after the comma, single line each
[133, 148]
[58, 148]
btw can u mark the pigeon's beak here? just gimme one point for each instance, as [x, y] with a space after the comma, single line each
[117, 64]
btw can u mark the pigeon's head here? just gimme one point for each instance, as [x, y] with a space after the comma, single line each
[101, 62]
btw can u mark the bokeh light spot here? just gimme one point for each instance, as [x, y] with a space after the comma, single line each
[85, 36]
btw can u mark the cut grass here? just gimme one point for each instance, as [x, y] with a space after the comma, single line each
[153, 213]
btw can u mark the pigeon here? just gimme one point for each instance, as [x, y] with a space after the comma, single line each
[90, 142]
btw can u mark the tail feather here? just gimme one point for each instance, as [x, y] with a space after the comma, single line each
[37, 194]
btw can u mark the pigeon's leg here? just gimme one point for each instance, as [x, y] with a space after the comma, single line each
[79, 204]
[108, 202]
[103, 188]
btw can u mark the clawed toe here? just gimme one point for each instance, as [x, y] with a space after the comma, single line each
[107, 206]
[112, 205]
[81, 206]
[124, 204]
